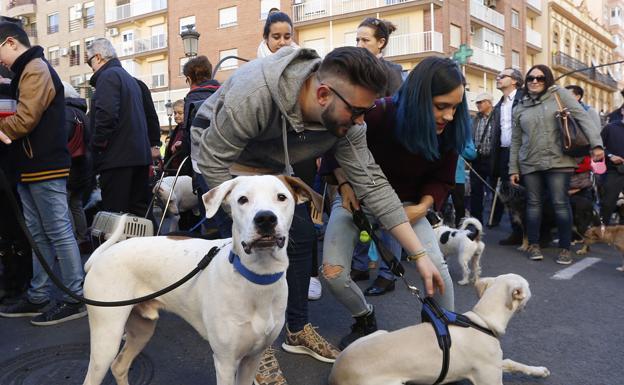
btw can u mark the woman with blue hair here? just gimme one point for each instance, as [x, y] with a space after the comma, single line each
[415, 137]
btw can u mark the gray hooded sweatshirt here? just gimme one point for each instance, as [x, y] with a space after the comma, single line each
[255, 115]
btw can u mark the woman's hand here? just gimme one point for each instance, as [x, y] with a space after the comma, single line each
[176, 146]
[514, 179]
[598, 154]
[349, 199]
[4, 139]
[430, 275]
[616, 159]
[415, 212]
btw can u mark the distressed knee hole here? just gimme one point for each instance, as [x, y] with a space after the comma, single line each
[332, 271]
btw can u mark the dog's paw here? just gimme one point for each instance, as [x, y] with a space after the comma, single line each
[541, 371]
[523, 248]
[463, 282]
[581, 252]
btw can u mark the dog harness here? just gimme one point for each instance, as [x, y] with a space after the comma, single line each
[258, 279]
[440, 319]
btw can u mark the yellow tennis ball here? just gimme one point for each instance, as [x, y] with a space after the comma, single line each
[364, 237]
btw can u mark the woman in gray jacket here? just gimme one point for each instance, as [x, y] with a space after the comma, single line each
[536, 154]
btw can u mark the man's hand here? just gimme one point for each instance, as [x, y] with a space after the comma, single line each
[430, 275]
[155, 153]
[514, 179]
[598, 154]
[616, 159]
[348, 197]
[4, 139]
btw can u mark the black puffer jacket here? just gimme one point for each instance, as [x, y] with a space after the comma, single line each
[81, 171]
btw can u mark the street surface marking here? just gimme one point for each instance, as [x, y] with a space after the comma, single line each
[579, 266]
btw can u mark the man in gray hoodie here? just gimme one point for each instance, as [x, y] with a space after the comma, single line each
[290, 107]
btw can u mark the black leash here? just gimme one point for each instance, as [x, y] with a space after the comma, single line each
[4, 184]
[431, 312]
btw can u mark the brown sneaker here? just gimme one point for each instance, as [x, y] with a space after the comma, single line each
[534, 252]
[269, 372]
[309, 342]
[564, 257]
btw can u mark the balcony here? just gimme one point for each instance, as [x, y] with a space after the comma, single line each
[141, 46]
[487, 59]
[487, 15]
[616, 21]
[534, 38]
[316, 9]
[568, 62]
[134, 9]
[154, 80]
[535, 5]
[414, 43]
[88, 21]
[53, 29]
[606, 80]
[21, 7]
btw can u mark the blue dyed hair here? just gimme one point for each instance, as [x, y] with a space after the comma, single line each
[416, 126]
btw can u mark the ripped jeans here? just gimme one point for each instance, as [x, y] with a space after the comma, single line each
[340, 238]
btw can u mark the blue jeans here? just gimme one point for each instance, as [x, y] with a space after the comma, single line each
[340, 239]
[221, 220]
[47, 216]
[558, 184]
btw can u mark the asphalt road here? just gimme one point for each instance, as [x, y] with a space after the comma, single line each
[572, 326]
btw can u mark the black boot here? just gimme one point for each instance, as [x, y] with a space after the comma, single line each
[364, 325]
[514, 239]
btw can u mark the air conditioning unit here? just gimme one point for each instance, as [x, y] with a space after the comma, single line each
[490, 3]
[25, 20]
[64, 51]
[113, 32]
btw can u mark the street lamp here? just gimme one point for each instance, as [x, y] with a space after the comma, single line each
[190, 40]
[169, 109]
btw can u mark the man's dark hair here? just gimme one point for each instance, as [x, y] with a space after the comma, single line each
[275, 17]
[576, 90]
[8, 29]
[358, 65]
[198, 69]
[517, 76]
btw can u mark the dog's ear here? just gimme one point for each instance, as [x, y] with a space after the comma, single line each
[301, 191]
[483, 284]
[213, 198]
[517, 294]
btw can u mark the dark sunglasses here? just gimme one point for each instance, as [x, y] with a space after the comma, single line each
[531, 79]
[502, 76]
[355, 111]
[90, 59]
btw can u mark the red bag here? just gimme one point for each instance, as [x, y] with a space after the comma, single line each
[76, 144]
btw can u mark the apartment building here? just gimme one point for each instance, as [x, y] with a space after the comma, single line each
[64, 28]
[577, 41]
[613, 18]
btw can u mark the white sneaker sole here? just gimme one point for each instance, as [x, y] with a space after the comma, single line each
[18, 315]
[306, 351]
[59, 321]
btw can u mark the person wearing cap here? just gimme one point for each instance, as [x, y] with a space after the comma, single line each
[481, 135]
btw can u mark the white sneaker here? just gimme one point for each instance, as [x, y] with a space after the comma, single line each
[315, 289]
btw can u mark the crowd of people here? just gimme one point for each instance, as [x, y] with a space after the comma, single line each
[352, 117]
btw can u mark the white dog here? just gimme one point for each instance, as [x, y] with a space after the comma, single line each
[416, 357]
[182, 199]
[238, 317]
[464, 242]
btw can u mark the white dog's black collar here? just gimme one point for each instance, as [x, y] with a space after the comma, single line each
[258, 279]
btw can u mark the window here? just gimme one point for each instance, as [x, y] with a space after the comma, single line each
[266, 5]
[230, 63]
[89, 15]
[159, 105]
[87, 43]
[515, 59]
[316, 44]
[515, 19]
[75, 17]
[556, 41]
[455, 33]
[159, 70]
[53, 23]
[74, 53]
[184, 21]
[53, 55]
[158, 38]
[227, 17]
[182, 63]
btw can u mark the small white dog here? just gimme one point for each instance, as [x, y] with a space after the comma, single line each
[182, 199]
[237, 312]
[464, 242]
[416, 357]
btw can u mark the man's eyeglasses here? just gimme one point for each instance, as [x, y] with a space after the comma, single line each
[90, 59]
[502, 76]
[5, 41]
[539, 79]
[355, 111]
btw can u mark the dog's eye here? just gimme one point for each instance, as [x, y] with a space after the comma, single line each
[281, 197]
[242, 200]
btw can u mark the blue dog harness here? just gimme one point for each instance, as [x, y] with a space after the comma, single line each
[440, 319]
[258, 279]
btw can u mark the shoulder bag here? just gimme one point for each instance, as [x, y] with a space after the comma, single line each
[574, 143]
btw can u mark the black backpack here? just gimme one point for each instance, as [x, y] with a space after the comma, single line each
[195, 104]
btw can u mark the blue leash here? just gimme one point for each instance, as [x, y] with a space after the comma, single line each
[197, 225]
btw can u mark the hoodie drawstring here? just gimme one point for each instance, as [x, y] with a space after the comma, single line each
[288, 170]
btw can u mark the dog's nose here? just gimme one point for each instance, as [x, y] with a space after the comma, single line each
[265, 221]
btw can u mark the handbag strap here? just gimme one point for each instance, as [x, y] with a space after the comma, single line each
[559, 104]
